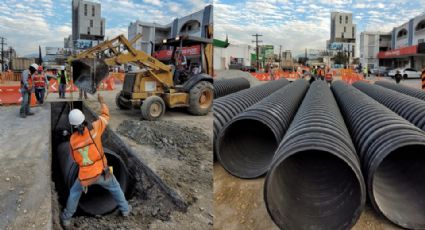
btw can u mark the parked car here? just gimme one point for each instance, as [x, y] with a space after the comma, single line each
[381, 71]
[406, 73]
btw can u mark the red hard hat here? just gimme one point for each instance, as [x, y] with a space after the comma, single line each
[40, 68]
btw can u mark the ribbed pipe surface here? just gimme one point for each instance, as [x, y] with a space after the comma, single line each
[97, 201]
[410, 108]
[418, 93]
[225, 108]
[392, 155]
[246, 145]
[224, 87]
[315, 181]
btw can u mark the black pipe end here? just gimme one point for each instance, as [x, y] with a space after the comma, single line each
[313, 190]
[246, 148]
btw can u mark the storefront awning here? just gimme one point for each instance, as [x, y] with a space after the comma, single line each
[399, 53]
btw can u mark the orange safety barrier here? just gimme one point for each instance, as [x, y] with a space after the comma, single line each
[10, 94]
[106, 84]
[277, 75]
[119, 77]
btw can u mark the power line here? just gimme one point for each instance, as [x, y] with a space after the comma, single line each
[257, 48]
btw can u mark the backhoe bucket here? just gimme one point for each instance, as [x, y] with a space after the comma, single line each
[87, 73]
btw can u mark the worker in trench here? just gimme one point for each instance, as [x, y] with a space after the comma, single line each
[27, 88]
[87, 151]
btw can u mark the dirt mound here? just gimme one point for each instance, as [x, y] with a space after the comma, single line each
[163, 135]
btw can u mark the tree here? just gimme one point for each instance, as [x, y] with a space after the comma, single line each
[341, 58]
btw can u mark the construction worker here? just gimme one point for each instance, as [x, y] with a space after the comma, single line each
[365, 72]
[26, 90]
[40, 85]
[62, 81]
[87, 151]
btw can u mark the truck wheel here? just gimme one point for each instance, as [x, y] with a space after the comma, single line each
[201, 98]
[119, 103]
[152, 108]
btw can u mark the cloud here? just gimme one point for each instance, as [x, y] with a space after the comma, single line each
[304, 23]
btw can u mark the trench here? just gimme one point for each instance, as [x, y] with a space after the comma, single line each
[149, 196]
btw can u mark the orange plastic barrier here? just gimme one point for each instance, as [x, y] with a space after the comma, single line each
[106, 84]
[277, 75]
[9, 94]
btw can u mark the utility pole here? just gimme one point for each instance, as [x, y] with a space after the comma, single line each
[257, 49]
[2, 43]
[280, 56]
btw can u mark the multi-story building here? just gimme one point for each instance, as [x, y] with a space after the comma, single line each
[371, 43]
[407, 45]
[195, 24]
[88, 27]
[343, 33]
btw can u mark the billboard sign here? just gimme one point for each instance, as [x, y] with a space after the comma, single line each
[341, 46]
[268, 51]
[85, 44]
[57, 51]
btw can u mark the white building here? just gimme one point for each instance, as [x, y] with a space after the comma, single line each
[371, 43]
[195, 24]
[407, 45]
[232, 54]
[87, 23]
[343, 33]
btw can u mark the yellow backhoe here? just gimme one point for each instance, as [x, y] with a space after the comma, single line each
[155, 85]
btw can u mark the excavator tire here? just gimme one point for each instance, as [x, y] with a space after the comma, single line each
[119, 104]
[152, 108]
[201, 98]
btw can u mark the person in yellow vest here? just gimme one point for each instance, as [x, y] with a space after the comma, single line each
[26, 90]
[87, 151]
[40, 85]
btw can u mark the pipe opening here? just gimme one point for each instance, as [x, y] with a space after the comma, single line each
[399, 188]
[246, 148]
[313, 190]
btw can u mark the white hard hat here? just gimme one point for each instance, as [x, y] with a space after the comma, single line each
[76, 117]
[35, 66]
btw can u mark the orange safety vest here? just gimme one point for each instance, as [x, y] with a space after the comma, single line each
[88, 156]
[29, 81]
[39, 81]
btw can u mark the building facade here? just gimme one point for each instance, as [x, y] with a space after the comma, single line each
[195, 24]
[371, 43]
[88, 26]
[407, 45]
[232, 55]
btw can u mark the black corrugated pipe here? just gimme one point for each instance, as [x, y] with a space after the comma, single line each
[246, 145]
[225, 108]
[410, 108]
[392, 155]
[418, 93]
[224, 87]
[315, 180]
[97, 201]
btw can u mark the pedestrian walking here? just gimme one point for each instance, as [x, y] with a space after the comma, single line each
[398, 77]
[41, 84]
[26, 90]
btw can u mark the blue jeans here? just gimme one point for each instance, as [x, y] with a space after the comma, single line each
[26, 99]
[110, 184]
[39, 94]
[62, 90]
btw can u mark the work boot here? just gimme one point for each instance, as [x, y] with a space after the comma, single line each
[66, 224]
[126, 214]
[30, 113]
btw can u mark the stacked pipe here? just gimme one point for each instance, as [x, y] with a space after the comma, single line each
[246, 145]
[392, 156]
[97, 201]
[225, 108]
[224, 87]
[418, 93]
[410, 108]
[315, 181]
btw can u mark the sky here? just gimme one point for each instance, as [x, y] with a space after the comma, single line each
[301, 24]
[26, 24]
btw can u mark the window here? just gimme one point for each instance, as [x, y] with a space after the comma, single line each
[101, 27]
[92, 11]
[342, 35]
[421, 40]
[345, 29]
[352, 28]
[340, 19]
[85, 9]
[91, 23]
[346, 19]
[88, 30]
[420, 26]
